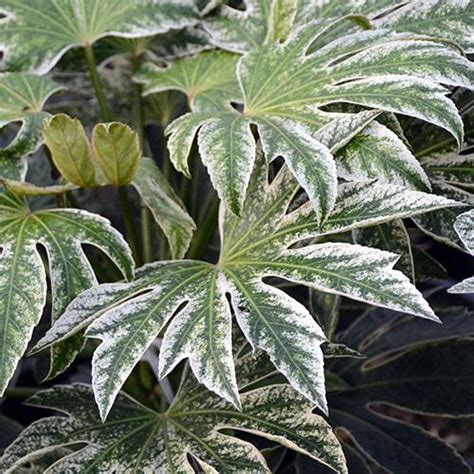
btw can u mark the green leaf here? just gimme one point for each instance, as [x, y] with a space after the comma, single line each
[22, 98]
[189, 298]
[70, 150]
[117, 149]
[464, 226]
[285, 86]
[393, 237]
[440, 224]
[200, 77]
[439, 18]
[167, 209]
[451, 168]
[262, 21]
[136, 438]
[377, 152]
[23, 278]
[36, 35]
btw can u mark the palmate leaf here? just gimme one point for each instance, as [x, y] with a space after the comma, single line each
[284, 85]
[23, 285]
[191, 297]
[413, 365]
[22, 97]
[36, 35]
[136, 438]
[200, 77]
[464, 226]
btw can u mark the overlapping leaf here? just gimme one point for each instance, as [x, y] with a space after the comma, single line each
[413, 365]
[23, 285]
[136, 438]
[193, 295]
[114, 157]
[285, 85]
[35, 35]
[22, 98]
[464, 226]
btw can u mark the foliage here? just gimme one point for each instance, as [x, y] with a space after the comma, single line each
[230, 306]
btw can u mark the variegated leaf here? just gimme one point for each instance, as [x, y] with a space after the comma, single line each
[464, 226]
[451, 168]
[200, 77]
[23, 278]
[450, 19]
[35, 35]
[377, 152]
[136, 438]
[261, 22]
[166, 207]
[284, 87]
[259, 244]
[393, 237]
[22, 98]
[439, 224]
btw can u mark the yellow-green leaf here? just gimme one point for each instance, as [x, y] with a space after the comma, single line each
[117, 149]
[70, 150]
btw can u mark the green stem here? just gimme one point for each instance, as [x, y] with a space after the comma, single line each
[139, 118]
[97, 83]
[205, 231]
[128, 223]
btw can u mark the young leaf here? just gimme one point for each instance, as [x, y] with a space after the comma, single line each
[70, 150]
[167, 209]
[464, 226]
[192, 294]
[136, 438]
[36, 35]
[117, 149]
[22, 97]
[23, 279]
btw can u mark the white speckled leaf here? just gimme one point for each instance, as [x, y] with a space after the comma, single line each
[137, 439]
[200, 77]
[261, 22]
[464, 226]
[393, 237]
[451, 168]
[284, 86]
[167, 209]
[22, 97]
[439, 224]
[191, 294]
[23, 284]
[227, 148]
[35, 35]
[377, 152]
[450, 19]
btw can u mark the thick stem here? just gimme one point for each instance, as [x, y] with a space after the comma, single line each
[97, 83]
[21, 393]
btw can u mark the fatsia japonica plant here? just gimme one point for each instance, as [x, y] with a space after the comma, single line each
[200, 204]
